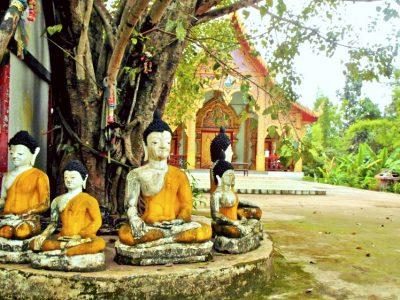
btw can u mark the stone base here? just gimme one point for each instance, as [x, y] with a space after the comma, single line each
[175, 253]
[54, 260]
[237, 246]
[14, 251]
[225, 277]
[14, 245]
[15, 257]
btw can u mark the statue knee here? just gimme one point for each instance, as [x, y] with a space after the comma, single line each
[23, 231]
[93, 247]
[201, 234]
[204, 233]
[7, 232]
[49, 245]
[125, 235]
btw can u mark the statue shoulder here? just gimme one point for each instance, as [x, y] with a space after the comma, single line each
[55, 202]
[40, 173]
[176, 172]
[88, 198]
[135, 173]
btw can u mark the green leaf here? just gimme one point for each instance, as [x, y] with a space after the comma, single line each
[180, 31]
[216, 66]
[271, 131]
[281, 7]
[134, 40]
[54, 29]
[263, 11]
[170, 26]
[246, 14]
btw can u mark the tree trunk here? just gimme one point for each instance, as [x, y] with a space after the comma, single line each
[9, 25]
[81, 103]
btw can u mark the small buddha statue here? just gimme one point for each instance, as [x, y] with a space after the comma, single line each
[236, 223]
[220, 146]
[167, 198]
[79, 217]
[25, 194]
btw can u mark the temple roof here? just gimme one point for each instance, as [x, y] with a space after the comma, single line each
[308, 115]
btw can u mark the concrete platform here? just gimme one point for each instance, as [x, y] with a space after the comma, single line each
[267, 183]
[226, 276]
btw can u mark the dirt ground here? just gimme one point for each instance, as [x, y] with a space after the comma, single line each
[345, 245]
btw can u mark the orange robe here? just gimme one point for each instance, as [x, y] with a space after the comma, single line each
[81, 217]
[174, 201]
[30, 190]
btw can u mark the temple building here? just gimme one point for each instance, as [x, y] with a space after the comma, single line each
[224, 104]
[25, 89]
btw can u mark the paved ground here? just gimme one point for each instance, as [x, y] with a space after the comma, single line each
[345, 245]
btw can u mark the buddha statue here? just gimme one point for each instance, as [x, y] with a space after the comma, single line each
[25, 194]
[76, 247]
[164, 232]
[220, 147]
[236, 223]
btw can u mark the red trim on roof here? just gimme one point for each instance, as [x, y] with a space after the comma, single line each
[247, 47]
[4, 109]
[307, 116]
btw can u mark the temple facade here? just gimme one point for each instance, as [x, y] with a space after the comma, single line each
[224, 105]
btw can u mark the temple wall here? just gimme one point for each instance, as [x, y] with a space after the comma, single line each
[29, 95]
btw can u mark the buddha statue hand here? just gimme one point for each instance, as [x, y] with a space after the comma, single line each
[138, 226]
[168, 224]
[36, 244]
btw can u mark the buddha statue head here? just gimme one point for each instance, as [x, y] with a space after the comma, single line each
[23, 149]
[224, 173]
[157, 139]
[75, 175]
[221, 144]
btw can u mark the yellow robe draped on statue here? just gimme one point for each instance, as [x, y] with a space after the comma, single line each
[174, 201]
[81, 216]
[30, 190]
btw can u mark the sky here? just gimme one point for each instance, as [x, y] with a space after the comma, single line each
[324, 76]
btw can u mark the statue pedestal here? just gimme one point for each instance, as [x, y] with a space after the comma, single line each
[225, 276]
[55, 260]
[175, 253]
[236, 246]
[250, 241]
[14, 251]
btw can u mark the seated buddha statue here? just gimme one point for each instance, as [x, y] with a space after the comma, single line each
[25, 194]
[78, 216]
[167, 201]
[236, 224]
[220, 145]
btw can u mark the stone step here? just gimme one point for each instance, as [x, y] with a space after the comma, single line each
[257, 183]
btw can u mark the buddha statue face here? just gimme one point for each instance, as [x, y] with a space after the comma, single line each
[158, 145]
[22, 156]
[73, 180]
[229, 153]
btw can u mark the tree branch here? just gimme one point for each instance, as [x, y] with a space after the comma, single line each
[83, 40]
[106, 18]
[219, 12]
[132, 12]
[82, 144]
[9, 24]
[157, 11]
[205, 6]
